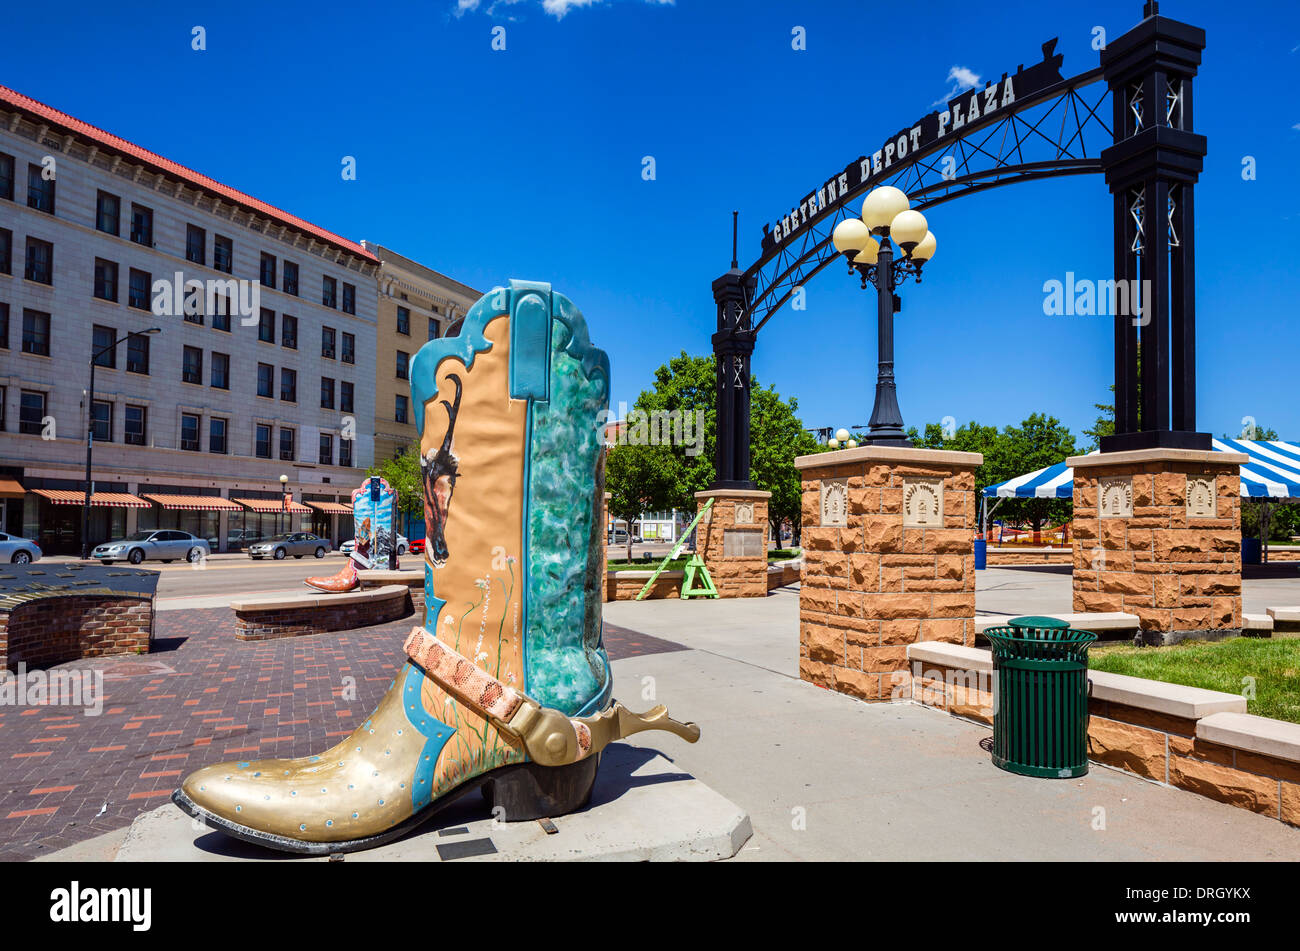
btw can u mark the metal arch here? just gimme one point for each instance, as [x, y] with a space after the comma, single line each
[1017, 147]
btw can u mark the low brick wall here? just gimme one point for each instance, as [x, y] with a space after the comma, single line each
[783, 573]
[1201, 741]
[261, 619]
[67, 627]
[1030, 556]
[626, 585]
[413, 578]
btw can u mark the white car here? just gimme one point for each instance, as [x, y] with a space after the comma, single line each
[403, 546]
[18, 551]
[165, 545]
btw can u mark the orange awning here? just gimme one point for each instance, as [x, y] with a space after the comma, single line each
[195, 503]
[108, 499]
[10, 489]
[331, 508]
[271, 506]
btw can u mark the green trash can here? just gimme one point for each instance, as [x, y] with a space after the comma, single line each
[1040, 724]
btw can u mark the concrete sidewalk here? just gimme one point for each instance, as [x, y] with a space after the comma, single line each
[824, 776]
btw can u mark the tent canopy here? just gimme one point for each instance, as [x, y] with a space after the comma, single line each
[1273, 472]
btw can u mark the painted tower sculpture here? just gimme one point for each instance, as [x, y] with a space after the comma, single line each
[507, 686]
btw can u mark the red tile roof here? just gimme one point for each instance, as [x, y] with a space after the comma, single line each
[107, 140]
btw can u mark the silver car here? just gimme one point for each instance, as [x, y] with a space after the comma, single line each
[163, 545]
[295, 543]
[18, 551]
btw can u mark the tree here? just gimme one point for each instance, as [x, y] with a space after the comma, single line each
[402, 472]
[638, 478]
[777, 436]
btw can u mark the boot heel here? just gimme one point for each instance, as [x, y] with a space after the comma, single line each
[529, 791]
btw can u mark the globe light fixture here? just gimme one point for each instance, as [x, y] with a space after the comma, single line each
[887, 213]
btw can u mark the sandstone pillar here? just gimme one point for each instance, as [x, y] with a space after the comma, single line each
[732, 540]
[1157, 533]
[889, 560]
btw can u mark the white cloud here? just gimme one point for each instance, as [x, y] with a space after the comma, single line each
[466, 6]
[962, 78]
[556, 8]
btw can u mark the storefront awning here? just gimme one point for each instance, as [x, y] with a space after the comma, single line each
[195, 503]
[271, 506]
[10, 489]
[331, 508]
[105, 499]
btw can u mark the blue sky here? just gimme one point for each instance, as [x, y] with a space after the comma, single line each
[527, 163]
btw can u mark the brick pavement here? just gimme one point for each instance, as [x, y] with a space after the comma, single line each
[199, 697]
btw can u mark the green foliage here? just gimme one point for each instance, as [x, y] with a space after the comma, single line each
[638, 479]
[776, 437]
[403, 474]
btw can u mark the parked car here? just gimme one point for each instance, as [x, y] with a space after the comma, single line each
[296, 544]
[403, 546]
[165, 545]
[18, 551]
[618, 537]
[417, 546]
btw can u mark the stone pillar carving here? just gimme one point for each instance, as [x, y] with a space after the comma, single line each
[732, 540]
[1158, 534]
[889, 560]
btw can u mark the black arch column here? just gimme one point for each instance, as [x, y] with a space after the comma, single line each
[1152, 169]
[732, 346]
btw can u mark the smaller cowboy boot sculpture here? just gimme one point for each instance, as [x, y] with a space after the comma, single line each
[344, 580]
[507, 686]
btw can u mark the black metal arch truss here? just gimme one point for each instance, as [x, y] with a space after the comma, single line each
[1060, 132]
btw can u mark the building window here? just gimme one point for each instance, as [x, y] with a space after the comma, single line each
[221, 309]
[289, 332]
[101, 342]
[326, 457]
[286, 445]
[349, 298]
[217, 435]
[106, 279]
[40, 190]
[262, 447]
[40, 261]
[36, 332]
[142, 225]
[349, 354]
[6, 251]
[404, 321]
[399, 409]
[266, 326]
[6, 176]
[190, 432]
[268, 270]
[266, 380]
[4, 326]
[327, 342]
[196, 244]
[221, 370]
[137, 355]
[345, 452]
[290, 278]
[108, 213]
[329, 290]
[288, 385]
[101, 420]
[2, 409]
[433, 329]
[326, 392]
[223, 253]
[31, 412]
[137, 292]
[345, 397]
[192, 366]
[403, 365]
[135, 427]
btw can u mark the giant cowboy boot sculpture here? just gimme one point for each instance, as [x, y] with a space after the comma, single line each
[508, 687]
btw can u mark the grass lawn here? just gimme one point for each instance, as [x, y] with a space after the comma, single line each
[1274, 663]
[677, 564]
[783, 554]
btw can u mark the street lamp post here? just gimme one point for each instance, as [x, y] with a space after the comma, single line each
[886, 213]
[284, 506]
[90, 431]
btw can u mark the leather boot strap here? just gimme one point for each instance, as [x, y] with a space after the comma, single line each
[548, 736]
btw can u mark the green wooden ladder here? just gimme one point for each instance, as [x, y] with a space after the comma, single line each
[695, 569]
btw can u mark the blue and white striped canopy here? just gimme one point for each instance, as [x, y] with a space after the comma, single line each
[1273, 472]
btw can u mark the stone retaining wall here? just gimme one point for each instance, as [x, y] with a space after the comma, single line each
[68, 627]
[626, 585]
[1201, 744]
[262, 619]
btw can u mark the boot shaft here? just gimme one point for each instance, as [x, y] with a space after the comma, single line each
[511, 412]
